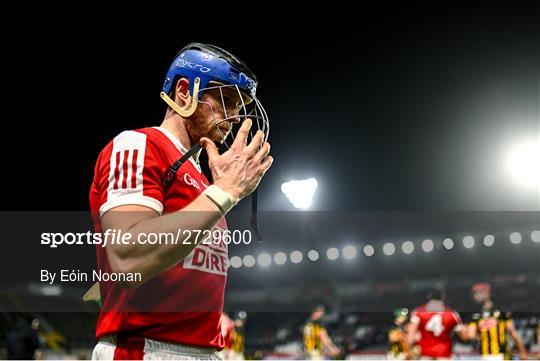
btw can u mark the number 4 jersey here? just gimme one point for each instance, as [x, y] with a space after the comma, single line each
[435, 321]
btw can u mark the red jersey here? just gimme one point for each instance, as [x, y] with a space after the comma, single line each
[183, 304]
[435, 321]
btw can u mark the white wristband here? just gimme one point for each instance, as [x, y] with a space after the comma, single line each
[223, 200]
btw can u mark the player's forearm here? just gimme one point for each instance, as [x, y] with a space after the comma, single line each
[463, 333]
[328, 343]
[410, 333]
[519, 344]
[151, 259]
[409, 339]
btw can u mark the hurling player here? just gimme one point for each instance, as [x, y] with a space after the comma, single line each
[398, 346]
[491, 327]
[317, 343]
[142, 185]
[435, 322]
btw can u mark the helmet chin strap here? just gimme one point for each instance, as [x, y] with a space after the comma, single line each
[254, 222]
[189, 108]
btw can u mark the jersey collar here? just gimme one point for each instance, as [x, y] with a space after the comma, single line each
[194, 160]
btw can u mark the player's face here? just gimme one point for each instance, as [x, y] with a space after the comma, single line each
[211, 111]
[317, 314]
[480, 296]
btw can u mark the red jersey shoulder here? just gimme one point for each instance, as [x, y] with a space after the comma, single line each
[129, 170]
[454, 315]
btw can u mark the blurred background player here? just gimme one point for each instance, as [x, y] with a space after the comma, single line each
[317, 343]
[397, 342]
[435, 321]
[227, 330]
[239, 336]
[233, 332]
[22, 342]
[490, 326]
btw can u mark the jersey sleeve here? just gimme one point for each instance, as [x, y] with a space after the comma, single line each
[129, 172]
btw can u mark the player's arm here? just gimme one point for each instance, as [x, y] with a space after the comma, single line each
[328, 343]
[463, 333]
[411, 329]
[237, 172]
[152, 259]
[460, 328]
[517, 340]
[470, 332]
[409, 337]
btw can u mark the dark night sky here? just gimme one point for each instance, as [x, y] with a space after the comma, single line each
[403, 109]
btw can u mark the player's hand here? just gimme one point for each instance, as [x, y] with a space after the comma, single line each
[334, 352]
[523, 356]
[239, 170]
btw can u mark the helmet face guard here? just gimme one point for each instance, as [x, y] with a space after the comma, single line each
[244, 108]
[209, 68]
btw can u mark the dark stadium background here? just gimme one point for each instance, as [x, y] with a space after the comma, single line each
[398, 112]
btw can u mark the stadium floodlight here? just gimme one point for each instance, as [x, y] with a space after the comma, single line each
[448, 243]
[332, 254]
[300, 192]
[515, 237]
[349, 252]
[535, 236]
[489, 240]
[427, 245]
[296, 256]
[407, 247]
[264, 260]
[313, 255]
[280, 258]
[235, 262]
[249, 261]
[369, 250]
[389, 248]
[524, 163]
[468, 242]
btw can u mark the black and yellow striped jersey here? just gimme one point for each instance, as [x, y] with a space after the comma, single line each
[238, 339]
[312, 336]
[492, 331]
[396, 347]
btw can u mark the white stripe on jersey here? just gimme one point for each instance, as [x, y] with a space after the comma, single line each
[126, 141]
[124, 187]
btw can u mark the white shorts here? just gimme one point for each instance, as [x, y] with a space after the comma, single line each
[147, 349]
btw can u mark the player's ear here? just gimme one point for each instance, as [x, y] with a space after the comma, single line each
[182, 92]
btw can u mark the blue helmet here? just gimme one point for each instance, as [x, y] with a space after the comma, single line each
[209, 67]
[209, 63]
